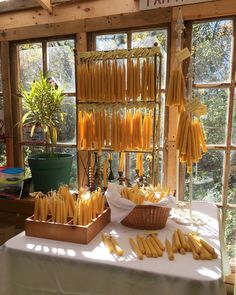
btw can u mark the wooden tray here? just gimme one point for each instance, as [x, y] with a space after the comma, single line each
[67, 232]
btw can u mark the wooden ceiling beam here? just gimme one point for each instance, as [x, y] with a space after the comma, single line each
[93, 15]
[46, 4]
[12, 5]
[113, 22]
[67, 12]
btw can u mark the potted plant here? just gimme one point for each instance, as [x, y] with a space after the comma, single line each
[43, 105]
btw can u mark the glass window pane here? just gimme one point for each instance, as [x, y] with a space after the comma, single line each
[111, 42]
[61, 63]
[163, 107]
[232, 179]
[148, 39]
[215, 121]
[234, 122]
[1, 102]
[230, 233]
[38, 137]
[2, 123]
[67, 130]
[0, 76]
[212, 46]
[147, 167]
[3, 158]
[30, 62]
[207, 178]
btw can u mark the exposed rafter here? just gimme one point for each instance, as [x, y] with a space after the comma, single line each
[46, 4]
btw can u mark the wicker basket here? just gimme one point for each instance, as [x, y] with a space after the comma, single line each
[147, 217]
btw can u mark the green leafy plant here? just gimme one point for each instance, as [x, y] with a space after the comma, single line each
[43, 105]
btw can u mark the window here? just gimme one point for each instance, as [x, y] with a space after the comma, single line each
[134, 39]
[57, 58]
[214, 177]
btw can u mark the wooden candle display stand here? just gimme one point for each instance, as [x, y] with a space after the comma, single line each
[67, 232]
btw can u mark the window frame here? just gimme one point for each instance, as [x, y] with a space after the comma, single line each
[19, 143]
[228, 147]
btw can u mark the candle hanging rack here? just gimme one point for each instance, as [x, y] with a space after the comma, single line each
[148, 55]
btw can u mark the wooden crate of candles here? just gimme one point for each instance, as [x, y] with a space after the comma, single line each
[66, 217]
[67, 232]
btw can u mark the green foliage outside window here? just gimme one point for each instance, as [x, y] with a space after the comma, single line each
[212, 44]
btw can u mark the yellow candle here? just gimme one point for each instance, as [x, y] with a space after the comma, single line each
[102, 81]
[121, 164]
[118, 130]
[138, 77]
[137, 161]
[140, 130]
[113, 69]
[145, 131]
[123, 82]
[141, 165]
[130, 130]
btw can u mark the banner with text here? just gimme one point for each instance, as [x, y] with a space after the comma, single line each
[151, 4]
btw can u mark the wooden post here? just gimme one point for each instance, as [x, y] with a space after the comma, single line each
[82, 156]
[173, 114]
[16, 109]
[7, 103]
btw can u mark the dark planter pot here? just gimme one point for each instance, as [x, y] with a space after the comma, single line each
[49, 172]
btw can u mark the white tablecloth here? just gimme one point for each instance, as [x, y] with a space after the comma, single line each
[36, 266]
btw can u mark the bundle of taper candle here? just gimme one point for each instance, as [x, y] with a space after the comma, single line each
[140, 195]
[120, 132]
[62, 206]
[176, 89]
[113, 80]
[151, 246]
[190, 140]
[112, 244]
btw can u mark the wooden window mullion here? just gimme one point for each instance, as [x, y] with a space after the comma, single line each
[44, 54]
[229, 130]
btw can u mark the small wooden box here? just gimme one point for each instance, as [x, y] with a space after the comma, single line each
[67, 232]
